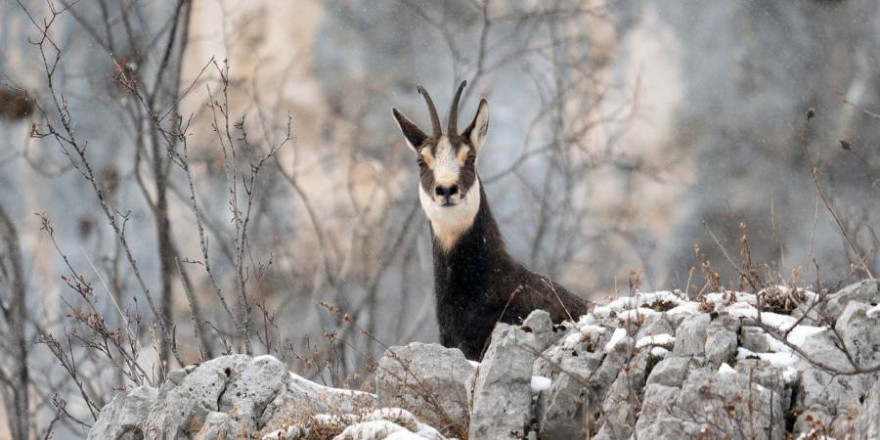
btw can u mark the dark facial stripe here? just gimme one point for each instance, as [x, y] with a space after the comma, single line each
[426, 175]
[468, 173]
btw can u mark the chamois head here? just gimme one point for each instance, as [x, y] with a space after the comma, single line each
[449, 187]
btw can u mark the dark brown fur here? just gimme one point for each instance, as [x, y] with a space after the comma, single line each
[478, 284]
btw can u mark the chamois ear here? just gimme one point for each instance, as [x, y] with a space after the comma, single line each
[414, 135]
[479, 127]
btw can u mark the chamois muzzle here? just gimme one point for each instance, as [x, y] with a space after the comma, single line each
[445, 194]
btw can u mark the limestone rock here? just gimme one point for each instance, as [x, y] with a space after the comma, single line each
[431, 381]
[713, 403]
[243, 397]
[727, 376]
[867, 423]
[754, 339]
[721, 339]
[621, 402]
[691, 335]
[123, 417]
[562, 406]
[540, 324]
[502, 389]
[218, 426]
[867, 292]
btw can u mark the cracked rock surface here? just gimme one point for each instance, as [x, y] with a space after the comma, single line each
[779, 364]
[662, 366]
[238, 396]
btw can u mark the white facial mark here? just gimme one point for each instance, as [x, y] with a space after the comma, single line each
[449, 222]
[446, 167]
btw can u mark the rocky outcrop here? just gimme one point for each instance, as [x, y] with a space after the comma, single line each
[432, 381]
[656, 365]
[662, 366]
[240, 397]
[502, 389]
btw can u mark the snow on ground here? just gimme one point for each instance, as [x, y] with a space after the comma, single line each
[726, 369]
[540, 383]
[736, 304]
[586, 332]
[730, 297]
[814, 434]
[635, 315]
[588, 319]
[775, 320]
[641, 300]
[306, 386]
[591, 331]
[616, 338]
[571, 341]
[659, 352]
[785, 361]
[663, 340]
[798, 335]
[688, 308]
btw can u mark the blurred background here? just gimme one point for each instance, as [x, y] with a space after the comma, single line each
[182, 179]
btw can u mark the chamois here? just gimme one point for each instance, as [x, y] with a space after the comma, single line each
[477, 283]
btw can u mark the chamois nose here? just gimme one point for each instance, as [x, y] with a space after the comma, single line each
[446, 191]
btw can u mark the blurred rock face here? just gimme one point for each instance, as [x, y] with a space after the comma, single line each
[617, 129]
[751, 71]
[719, 92]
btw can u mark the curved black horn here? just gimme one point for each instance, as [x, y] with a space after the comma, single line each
[452, 130]
[435, 118]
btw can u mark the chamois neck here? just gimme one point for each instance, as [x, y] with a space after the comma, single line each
[481, 240]
[450, 223]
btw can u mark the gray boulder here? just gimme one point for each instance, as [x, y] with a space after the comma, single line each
[721, 339]
[754, 339]
[655, 325]
[713, 403]
[540, 325]
[867, 292]
[867, 423]
[217, 425]
[123, 417]
[502, 389]
[726, 377]
[691, 335]
[243, 397]
[832, 397]
[671, 372]
[860, 333]
[561, 407]
[429, 380]
[621, 403]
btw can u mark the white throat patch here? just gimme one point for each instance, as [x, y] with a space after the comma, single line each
[449, 222]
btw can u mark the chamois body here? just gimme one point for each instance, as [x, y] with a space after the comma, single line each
[477, 283]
